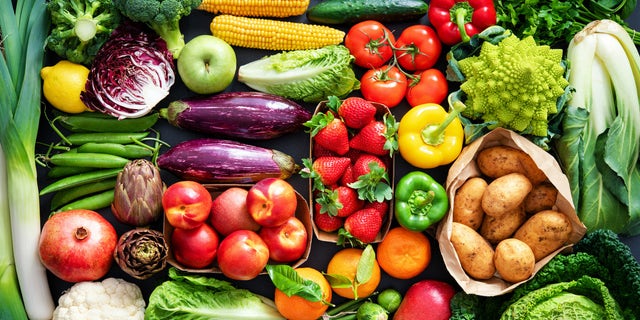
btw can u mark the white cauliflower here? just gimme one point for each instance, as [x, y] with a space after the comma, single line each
[110, 299]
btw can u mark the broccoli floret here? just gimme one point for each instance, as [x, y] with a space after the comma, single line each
[163, 16]
[514, 84]
[80, 28]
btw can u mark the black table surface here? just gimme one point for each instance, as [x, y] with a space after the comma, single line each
[297, 145]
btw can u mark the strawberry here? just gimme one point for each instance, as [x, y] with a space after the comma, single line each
[377, 137]
[357, 112]
[325, 221]
[362, 164]
[362, 226]
[347, 176]
[381, 207]
[324, 171]
[329, 132]
[372, 182]
[319, 151]
[341, 201]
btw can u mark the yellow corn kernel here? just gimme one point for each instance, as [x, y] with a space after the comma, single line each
[256, 8]
[273, 34]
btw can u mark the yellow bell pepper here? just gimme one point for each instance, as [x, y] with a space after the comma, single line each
[429, 136]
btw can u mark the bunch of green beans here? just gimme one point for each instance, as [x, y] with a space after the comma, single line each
[86, 162]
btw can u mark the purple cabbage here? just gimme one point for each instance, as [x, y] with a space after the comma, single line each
[131, 73]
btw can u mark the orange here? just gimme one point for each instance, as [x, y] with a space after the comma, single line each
[404, 254]
[299, 308]
[345, 263]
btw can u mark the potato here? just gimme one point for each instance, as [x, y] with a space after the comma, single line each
[498, 161]
[505, 193]
[498, 228]
[474, 252]
[542, 197]
[467, 203]
[545, 232]
[514, 260]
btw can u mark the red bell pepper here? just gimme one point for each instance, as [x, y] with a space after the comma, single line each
[457, 21]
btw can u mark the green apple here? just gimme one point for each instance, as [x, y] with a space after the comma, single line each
[207, 64]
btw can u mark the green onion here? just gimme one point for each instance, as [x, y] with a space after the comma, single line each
[23, 35]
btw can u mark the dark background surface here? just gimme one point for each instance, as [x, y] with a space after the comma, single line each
[297, 145]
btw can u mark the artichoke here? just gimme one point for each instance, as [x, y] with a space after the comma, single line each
[138, 194]
[141, 252]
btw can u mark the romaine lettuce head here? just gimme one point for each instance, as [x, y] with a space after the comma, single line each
[197, 297]
[585, 298]
[303, 75]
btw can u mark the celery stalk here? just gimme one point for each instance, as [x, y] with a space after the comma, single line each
[24, 31]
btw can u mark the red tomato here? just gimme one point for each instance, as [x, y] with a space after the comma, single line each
[370, 43]
[418, 48]
[387, 85]
[430, 86]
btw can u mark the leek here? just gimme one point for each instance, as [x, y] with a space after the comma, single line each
[599, 148]
[24, 30]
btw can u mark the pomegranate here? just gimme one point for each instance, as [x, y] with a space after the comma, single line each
[77, 245]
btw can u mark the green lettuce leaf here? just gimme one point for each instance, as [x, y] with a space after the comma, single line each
[193, 297]
[303, 75]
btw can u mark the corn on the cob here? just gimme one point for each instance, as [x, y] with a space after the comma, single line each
[270, 34]
[256, 8]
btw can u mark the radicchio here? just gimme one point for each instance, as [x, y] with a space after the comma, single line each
[132, 72]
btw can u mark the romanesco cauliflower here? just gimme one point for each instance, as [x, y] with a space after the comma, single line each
[514, 84]
[111, 298]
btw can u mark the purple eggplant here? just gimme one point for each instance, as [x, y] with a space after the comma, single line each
[247, 115]
[209, 160]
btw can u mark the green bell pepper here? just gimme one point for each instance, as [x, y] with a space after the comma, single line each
[420, 201]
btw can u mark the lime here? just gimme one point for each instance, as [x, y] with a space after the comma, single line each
[390, 299]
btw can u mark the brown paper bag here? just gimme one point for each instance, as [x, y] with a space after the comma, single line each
[464, 168]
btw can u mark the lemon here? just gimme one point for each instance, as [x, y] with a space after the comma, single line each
[62, 84]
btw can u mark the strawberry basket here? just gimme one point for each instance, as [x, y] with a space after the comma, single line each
[353, 224]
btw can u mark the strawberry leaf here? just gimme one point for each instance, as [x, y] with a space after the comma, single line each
[318, 122]
[329, 203]
[373, 186]
[391, 133]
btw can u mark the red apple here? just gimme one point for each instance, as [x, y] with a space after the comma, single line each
[186, 204]
[196, 247]
[242, 255]
[426, 299]
[271, 201]
[286, 242]
[229, 212]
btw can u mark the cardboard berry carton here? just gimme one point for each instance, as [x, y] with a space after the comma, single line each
[340, 170]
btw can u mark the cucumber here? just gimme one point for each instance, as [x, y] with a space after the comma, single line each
[353, 11]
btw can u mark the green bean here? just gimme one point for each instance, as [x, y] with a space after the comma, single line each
[64, 197]
[129, 151]
[64, 171]
[99, 122]
[111, 137]
[80, 179]
[92, 202]
[92, 160]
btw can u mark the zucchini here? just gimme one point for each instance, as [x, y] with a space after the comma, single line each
[209, 160]
[353, 11]
[247, 115]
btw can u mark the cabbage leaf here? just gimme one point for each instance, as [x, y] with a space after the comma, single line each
[584, 298]
[193, 297]
[303, 75]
